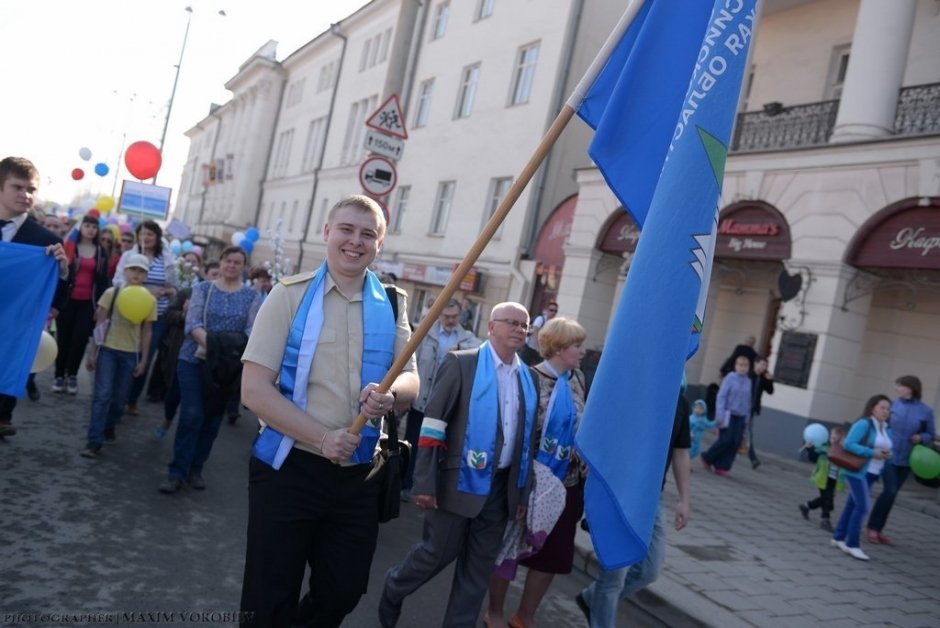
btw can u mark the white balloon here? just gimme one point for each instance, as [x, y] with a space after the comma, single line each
[85, 153]
[238, 237]
[45, 354]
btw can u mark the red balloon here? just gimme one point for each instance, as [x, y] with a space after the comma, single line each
[143, 160]
[78, 174]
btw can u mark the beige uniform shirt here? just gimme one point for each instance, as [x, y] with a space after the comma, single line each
[334, 384]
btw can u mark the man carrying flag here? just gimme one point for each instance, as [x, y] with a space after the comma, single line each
[34, 280]
[662, 108]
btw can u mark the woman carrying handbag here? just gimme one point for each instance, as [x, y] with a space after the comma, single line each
[868, 438]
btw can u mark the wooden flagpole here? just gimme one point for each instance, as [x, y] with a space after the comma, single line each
[515, 190]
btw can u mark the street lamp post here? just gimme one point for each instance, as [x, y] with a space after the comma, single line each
[169, 108]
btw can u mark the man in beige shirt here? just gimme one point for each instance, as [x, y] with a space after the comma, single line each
[316, 508]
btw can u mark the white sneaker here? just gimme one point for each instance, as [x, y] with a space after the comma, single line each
[840, 544]
[857, 553]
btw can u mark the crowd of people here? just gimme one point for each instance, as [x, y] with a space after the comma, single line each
[489, 418]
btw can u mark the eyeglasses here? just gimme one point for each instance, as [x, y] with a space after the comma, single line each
[509, 321]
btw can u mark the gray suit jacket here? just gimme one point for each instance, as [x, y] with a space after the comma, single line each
[436, 470]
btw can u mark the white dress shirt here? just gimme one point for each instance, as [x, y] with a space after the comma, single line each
[508, 388]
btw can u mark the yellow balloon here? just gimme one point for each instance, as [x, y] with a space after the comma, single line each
[135, 303]
[46, 353]
[105, 204]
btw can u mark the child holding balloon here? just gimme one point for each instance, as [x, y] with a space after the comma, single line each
[827, 477]
[121, 343]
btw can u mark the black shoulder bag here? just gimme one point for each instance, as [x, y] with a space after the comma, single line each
[390, 463]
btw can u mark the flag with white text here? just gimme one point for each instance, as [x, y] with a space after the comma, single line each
[663, 109]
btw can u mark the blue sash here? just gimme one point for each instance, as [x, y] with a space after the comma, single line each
[378, 331]
[478, 459]
[559, 427]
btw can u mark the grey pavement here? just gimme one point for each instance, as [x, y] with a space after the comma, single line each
[747, 557]
[81, 536]
[94, 543]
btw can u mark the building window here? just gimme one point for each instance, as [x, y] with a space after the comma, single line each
[400, 207]
[324, 208]
[364, 60]
[314, 147]
[440, 20]
[485, 8]
[424, 103]
[442, 204]
[524, 74]
[282, 157]
[292, 225]
[468, 89]
[353, 150]
[325, 80]
[295, 93]
[498, 189]
[385, 45]
[838, 68]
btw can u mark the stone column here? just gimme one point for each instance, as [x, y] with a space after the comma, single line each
[876, 68]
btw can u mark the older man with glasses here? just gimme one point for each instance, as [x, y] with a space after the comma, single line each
[474, 468]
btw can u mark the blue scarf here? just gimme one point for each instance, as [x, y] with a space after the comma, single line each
[378, 330]
[558, 429]
[478, 460]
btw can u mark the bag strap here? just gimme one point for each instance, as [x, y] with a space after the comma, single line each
[392, 295]
[391, 423]
[205, 309]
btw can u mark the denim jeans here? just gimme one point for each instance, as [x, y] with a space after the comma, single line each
[158, 332]
[610, 587]
[195, 432]
[849, 528]
[112, 385]
[893, 478]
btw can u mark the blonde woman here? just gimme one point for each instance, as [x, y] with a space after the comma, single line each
[559, 413]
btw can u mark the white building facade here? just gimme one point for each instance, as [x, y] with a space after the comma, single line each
[830, 203]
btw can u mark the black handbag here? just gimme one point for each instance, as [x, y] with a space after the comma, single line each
[389, 466]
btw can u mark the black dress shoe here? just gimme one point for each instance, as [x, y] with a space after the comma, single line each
[388, 612]
[583, 605]
[33, 392]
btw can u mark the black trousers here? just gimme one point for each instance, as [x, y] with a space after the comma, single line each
[312, 512]
[73, 328]
[825, 499]
[7, 404]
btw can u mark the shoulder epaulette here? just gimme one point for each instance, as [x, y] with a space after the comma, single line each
[298, 278]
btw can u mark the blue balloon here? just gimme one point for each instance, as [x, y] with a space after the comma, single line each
[815, 433]
[187, 246]
[247, 246]
[101, 169]
[252, 234]
[102, 222]
[175, 247]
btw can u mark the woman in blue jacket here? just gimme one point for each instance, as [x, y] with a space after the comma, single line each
[912, 423]
[869, 438]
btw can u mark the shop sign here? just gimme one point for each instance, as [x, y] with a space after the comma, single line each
[752, 232]
[440, 275]
[621, 237]
[907, 239]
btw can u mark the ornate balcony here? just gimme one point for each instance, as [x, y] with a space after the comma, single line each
[918, 110]
[778, 127]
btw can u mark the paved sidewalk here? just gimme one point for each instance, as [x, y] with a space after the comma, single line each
[747, 557]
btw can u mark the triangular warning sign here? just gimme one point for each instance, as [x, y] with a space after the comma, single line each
[389, 119]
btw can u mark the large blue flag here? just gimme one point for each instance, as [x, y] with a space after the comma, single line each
[669, 178]
[29, 282]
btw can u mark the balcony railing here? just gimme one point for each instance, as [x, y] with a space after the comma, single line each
[778, 127]
[918, 110]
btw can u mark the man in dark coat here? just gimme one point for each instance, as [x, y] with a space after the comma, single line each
[19, 182]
